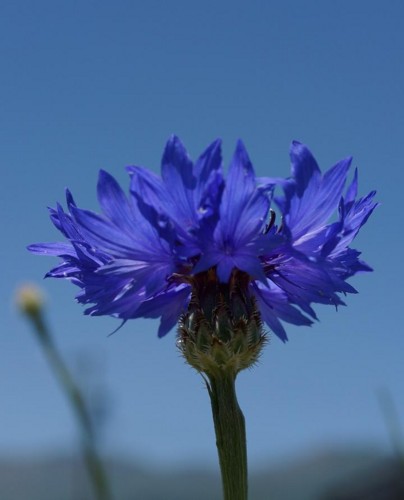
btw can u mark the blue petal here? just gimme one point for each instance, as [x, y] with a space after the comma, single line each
[224, 268]
[304, 166]
[106, 237]
[65, 224]
[352, 190]
[240, 186]
[99, 232]
[180, 182]
[208, 259]
[310, 210]
[152, 274]
[168, 305]
[250, 264]
[114, 202]
[64, 270]
[176, 170]
[307, 282]
[274, 305]
[57, 249]
[209, 183]
[149, 188]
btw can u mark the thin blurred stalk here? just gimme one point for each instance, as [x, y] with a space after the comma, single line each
[30, 303]
[392, 421]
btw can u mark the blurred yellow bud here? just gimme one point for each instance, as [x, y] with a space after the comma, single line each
[29, 299]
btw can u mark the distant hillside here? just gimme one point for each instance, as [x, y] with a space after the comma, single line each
[326, 476]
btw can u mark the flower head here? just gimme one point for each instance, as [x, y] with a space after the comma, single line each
[155, 252]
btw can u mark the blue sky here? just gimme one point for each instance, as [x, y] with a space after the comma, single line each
[94, 84]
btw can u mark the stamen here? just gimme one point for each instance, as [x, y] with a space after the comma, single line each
[272, 217]
[280, 226]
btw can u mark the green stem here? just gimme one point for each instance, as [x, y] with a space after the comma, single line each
[94, 465]
[230, 435]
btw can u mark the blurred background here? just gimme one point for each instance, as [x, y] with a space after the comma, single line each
[94, 84]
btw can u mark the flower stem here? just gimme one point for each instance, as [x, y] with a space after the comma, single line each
[230, 435]
[93, 462]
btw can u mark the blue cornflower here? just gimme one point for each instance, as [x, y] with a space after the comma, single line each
[175, 238]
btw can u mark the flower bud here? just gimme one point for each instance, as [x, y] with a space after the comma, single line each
[29, 300]
[222, 329]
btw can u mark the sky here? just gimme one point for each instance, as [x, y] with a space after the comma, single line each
[87, 85]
